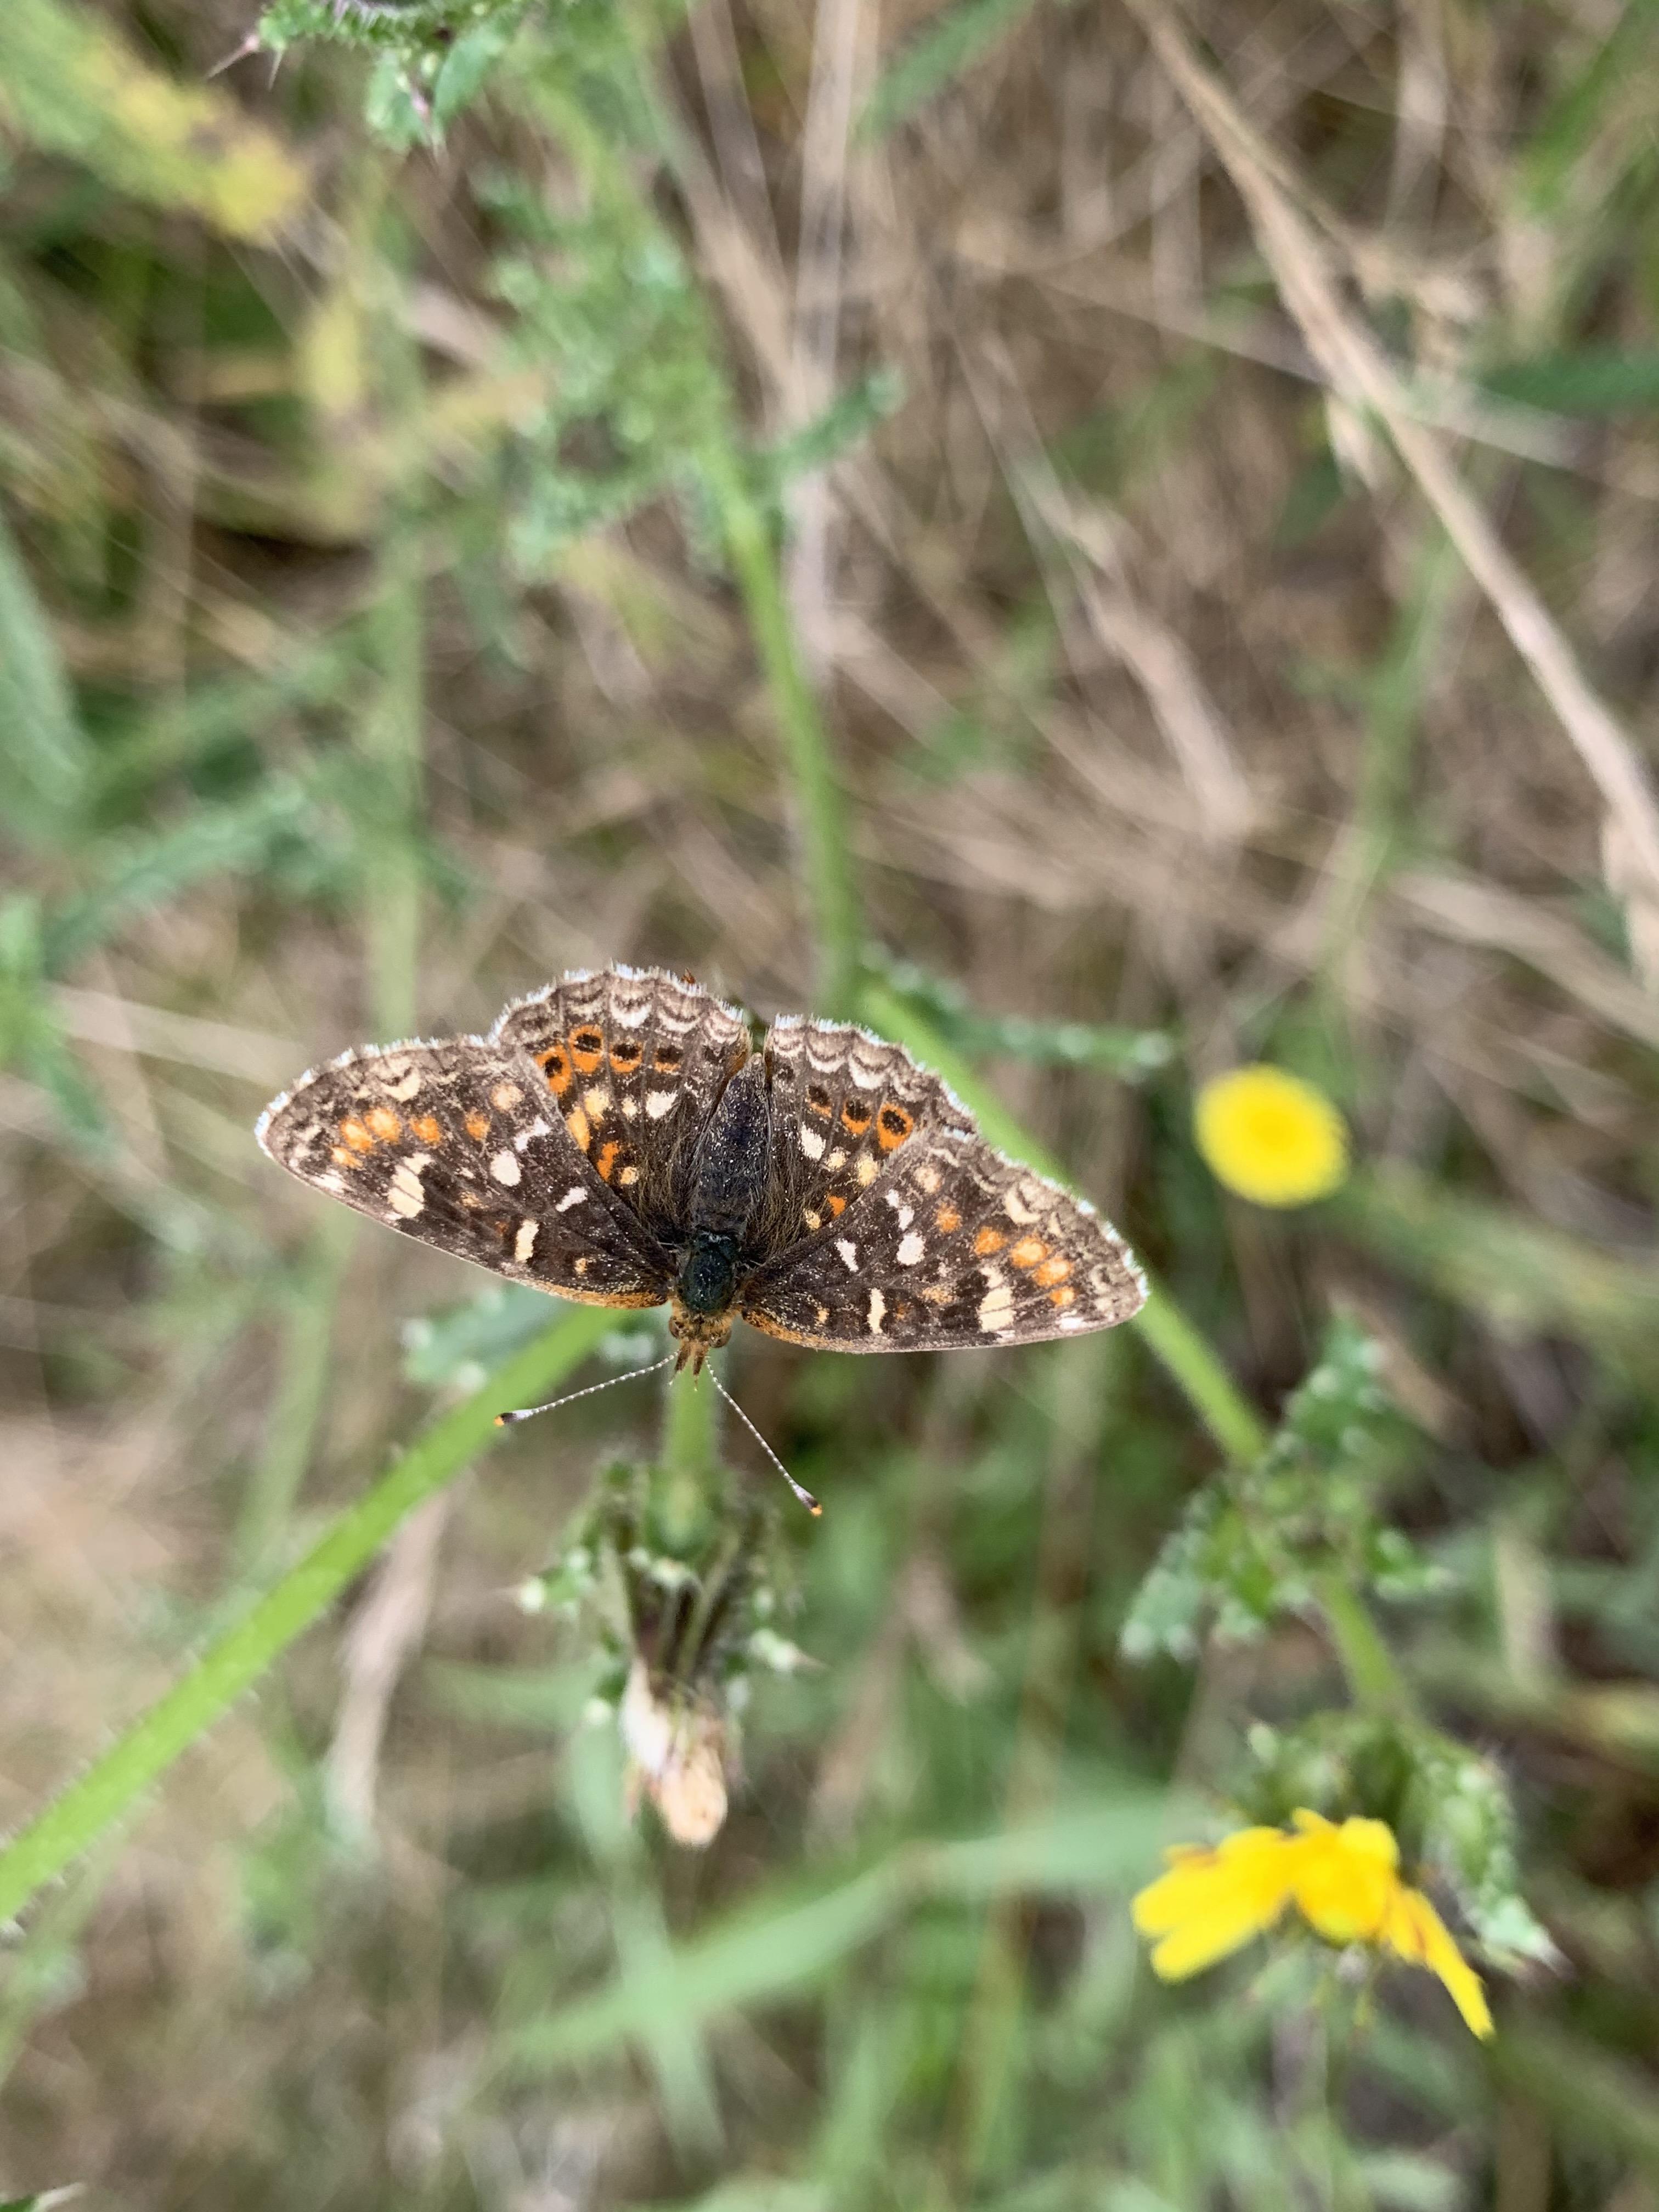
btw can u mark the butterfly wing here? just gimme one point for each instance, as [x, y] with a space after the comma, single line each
[938, 1242]
[844, 1106]
[633, 1060]
[453, 1143]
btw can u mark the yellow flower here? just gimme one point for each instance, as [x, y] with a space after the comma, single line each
[1345, 1882]
[1271, 1137]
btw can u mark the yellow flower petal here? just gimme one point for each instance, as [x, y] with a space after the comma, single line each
[1416, 1931]
[1271, 1137]
[1343, 1878]
[1209, 1902]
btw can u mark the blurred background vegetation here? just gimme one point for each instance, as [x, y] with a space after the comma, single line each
[1113, 548]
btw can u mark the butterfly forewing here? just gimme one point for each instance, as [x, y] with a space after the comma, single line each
[454, 1144]
[632, 1062]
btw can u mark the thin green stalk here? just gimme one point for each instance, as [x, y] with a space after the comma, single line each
[687, 1468]
[821, 803]
[393, 738]
[109, 1788]
[1373, 1676]
[1211, 1391]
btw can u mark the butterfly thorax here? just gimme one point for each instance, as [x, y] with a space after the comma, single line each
[728, 1191]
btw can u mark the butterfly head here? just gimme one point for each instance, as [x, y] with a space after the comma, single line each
[697, 1335]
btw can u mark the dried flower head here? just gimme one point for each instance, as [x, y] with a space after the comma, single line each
[678, 1750]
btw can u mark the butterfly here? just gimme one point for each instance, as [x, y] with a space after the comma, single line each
[617, 1139]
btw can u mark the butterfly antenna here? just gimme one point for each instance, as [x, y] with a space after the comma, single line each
[804, 1496]
[529, 1413]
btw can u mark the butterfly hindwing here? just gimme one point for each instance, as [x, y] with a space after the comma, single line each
[632, 1060]
[953, 1246]
[453, 1143]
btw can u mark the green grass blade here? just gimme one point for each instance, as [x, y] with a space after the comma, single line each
[43, 753]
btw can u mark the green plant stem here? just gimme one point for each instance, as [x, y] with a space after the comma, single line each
[1374, 1677]
[393, 738]
[109, 1788]
[1211, 1391]
[818, 797]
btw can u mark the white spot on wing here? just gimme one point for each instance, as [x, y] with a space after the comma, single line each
[505, 1167]
[404, 1194]
[911, 1248]
[505, 1096]
[866, 1170]
[525, 1243]
[1017, 1210]
[574, 1196]
[811, 1143]
[878, 1312]
[850, 1254]
[400, 1080]
[658, 1102]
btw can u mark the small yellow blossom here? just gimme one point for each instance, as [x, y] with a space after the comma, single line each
[1271, 1137]
[1345, 1882]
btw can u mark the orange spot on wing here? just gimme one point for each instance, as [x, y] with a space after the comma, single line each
[607, 1159]
[580, 1126]
[1028, 1251]
[626, 1055]
[855, 1115]
[837, 1205]
[427, 1129]
[385, 1123]
[478, 1127]
[947, 1218]
[1053, 1271]
[341, 1159]
[554, 1064]
[668, 1059]
[353, 1134]
[893, 1125]
[989, 1241]
[587, 1048]
[1065, 1296]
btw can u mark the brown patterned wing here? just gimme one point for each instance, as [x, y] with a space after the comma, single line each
[633, 1060]
[845, 1104]
[454, 1144]
[952, 1246]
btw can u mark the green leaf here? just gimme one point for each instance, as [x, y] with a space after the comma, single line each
[956, 39]
[466, 66]
[44, 754]
[1593, 380]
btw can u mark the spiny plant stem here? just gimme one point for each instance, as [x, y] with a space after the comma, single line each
[1212, 1392]
[114, 1784]
[1374, 1675]
[818, 797]
[687, 1469]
